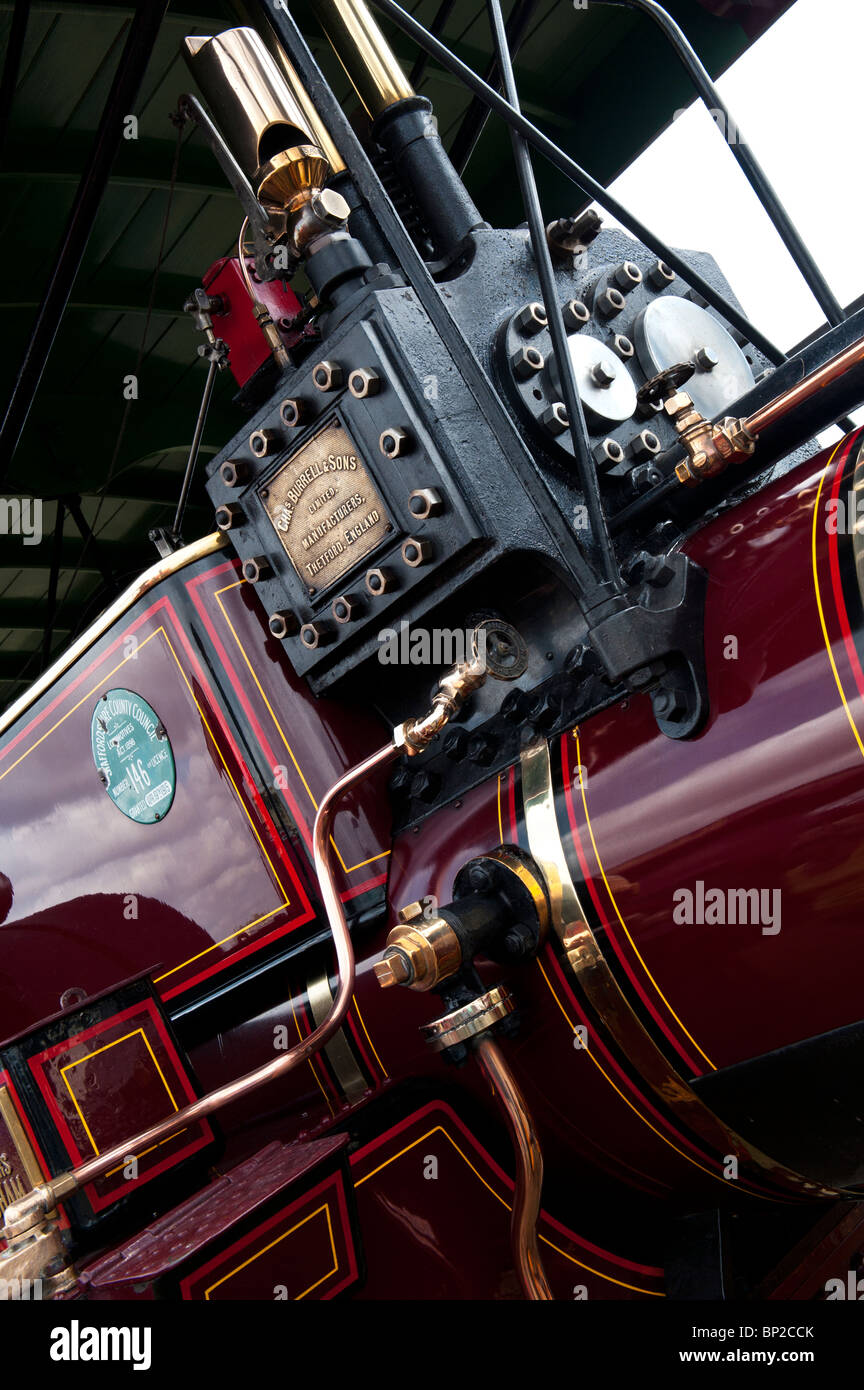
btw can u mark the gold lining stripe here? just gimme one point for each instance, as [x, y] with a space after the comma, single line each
[611, 1005]
[439, 1129]
[822, 623]
[217, 595]
[618, 914]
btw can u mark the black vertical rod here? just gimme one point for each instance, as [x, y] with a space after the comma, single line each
[124, 89]
[747, 161]
[591, 187]
[578, 431]
[195, 446]
[474, 121]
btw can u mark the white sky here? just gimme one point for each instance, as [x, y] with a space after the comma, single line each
[795, 97]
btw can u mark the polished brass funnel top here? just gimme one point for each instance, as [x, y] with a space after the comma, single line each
[262, 122]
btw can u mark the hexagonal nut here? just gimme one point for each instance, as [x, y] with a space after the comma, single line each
[228, 516]
[257, 568]
[481, 750]
[526, 362]
[394, 442]
[575, 314]
[609, 303]
[330, 207]
[292, 412]
[660, 275]
[555, 419]
[416, 552]
[623, 347]
[670, 705]
[327, 376]
[380, 581]
[531, 319]
[607, 453]
[364, 382]
[345, 608]
[314, 635]
[234, 472]
[705, 359]
[424, 502]
[392, 970]
[411, 912]
[264, 442]
[283, 623]
[644, 445]
[627, 276]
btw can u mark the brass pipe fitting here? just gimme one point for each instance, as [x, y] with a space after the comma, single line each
[419, 956]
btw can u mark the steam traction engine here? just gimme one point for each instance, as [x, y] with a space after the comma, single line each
[477, 810]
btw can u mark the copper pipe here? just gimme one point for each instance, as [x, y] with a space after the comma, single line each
[776, 410]
[64, 1183]
[529, 1170]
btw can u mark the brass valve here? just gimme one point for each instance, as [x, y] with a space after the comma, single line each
[710, 447]
[419, 953]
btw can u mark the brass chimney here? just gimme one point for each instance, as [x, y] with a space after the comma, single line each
[273, 135]
[364, 53]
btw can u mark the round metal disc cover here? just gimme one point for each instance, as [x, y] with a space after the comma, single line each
[672, 330]
[606, 388]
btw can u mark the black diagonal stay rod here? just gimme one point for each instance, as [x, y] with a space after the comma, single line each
[578, 176]
[543, 260]
[747, 161]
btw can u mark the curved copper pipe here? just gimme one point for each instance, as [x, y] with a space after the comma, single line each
[65, 1183]
[805, 389]
[529, 1170]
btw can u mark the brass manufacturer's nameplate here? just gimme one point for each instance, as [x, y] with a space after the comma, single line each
[325, 508]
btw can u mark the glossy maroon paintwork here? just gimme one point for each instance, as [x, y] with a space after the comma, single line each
[768, 795]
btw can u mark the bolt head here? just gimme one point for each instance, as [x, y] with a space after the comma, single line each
[327, 376]
[363, 382]
[379, 581]
[660, 275]
[627, 276]
[526, 362]
[394, 442]
[706, 360]
[283, 623]
[575, 315]
[603, 374]
[292, 411]
[228, 516]
[256, 568]
[607, 453]
[264, 442]
[531, 319]
[644, 445]
[554, 418]
[610, 302]
[234, 472]
[425, 502]
[416, 552]
[345, 608]
[314, 635]
[330, 207]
